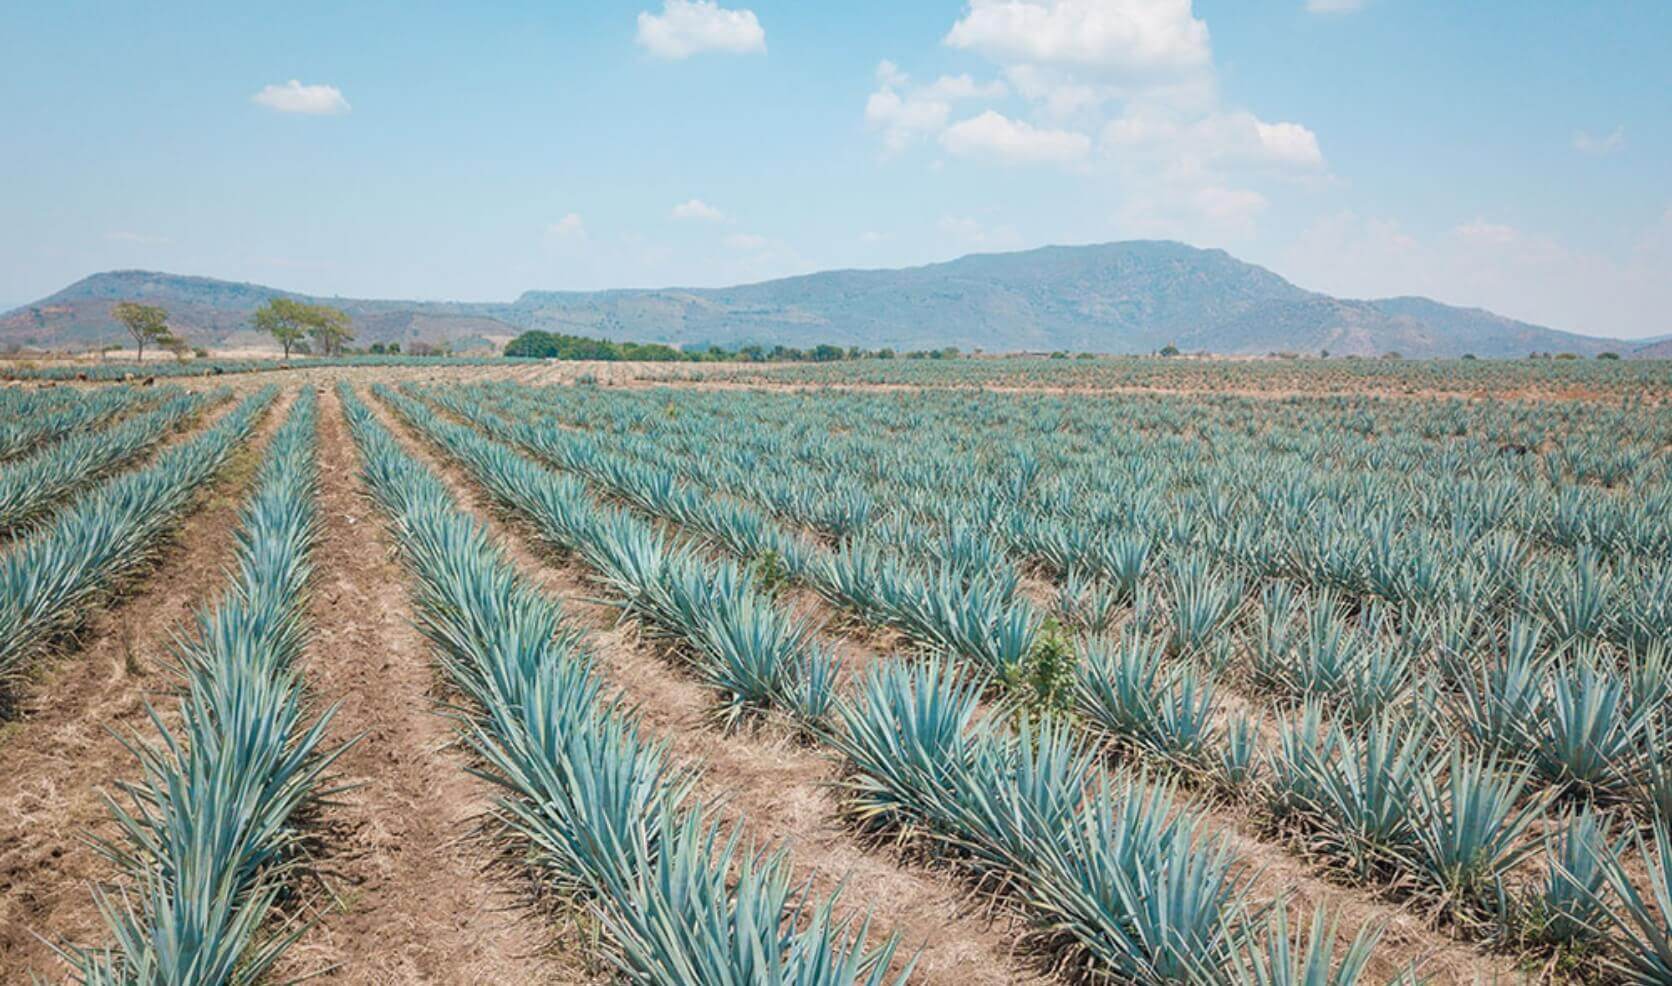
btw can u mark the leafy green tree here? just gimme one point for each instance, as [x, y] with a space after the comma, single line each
[285, 319]
[330, 327]
[146, 323]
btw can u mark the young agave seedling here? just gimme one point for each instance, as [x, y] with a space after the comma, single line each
[1567, 910]
[1280, 957]
[1470, 833]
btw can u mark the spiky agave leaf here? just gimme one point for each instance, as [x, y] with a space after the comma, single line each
[1280, 957]
[1471, 833]
[1644, 954]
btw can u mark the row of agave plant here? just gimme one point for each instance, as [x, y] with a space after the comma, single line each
[601, 813]
[207, 839]
[1481, 465]
[48, 579]
[34, 419]
[34, 485]
[1584, 716]
[1132, 886]
[1575, 612]
[112, 370]
[736, 639]
[1130, 692]
[1455, 550]
[1560, 670]
[1496, 377]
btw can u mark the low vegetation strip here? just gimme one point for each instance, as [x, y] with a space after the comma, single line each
[602, 814]
[207, 838]
[47, 580]
[33, 486]
[43, 421]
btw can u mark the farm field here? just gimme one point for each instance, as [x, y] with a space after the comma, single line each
[867, 672]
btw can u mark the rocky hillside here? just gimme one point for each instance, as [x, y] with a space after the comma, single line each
[1118, 297]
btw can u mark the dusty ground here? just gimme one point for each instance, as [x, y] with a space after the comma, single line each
[60, 752]
[781, 788]
[405, 896]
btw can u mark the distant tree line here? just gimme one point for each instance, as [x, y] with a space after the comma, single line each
[556, 345]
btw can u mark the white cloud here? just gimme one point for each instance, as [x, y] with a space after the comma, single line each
[1334, 6]
[686, 27]
[904, 112]
[1131, 38]
[698, 210]
[1198, 142]
[995, 135]
[1608, 143]
[570, 227]
[1523, 274]
[746, 241]
[1139, 75]
[871, 237]
[1288, 143]
[310, 100]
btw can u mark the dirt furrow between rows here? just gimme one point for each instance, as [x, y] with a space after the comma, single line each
[60, 753]
[405, 894]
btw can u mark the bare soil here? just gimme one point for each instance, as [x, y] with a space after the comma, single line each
[63, 750]
[405, 895]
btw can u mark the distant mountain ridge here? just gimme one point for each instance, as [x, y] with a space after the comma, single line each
[1127, 297]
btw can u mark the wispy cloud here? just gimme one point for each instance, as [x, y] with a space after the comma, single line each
[698, 210]
[1334, 6]
[308, 100]
[1589, 143]
[995, 135]
[570, 227]
[746, 241]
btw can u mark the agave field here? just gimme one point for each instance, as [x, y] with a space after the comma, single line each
[948, 672]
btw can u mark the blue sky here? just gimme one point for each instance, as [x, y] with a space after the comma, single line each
[1516, 156]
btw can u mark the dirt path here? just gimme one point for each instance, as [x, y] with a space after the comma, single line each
[781, 787]
[60, 753]
[413, 901]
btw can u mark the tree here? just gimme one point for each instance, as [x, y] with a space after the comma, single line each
[146, 323]
[285, 319]
[330, 328]
[1169, 350]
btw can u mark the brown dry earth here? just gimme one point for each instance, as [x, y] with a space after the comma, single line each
[782, 789]
[60, 752]
[405, 896]
[1282, 875]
